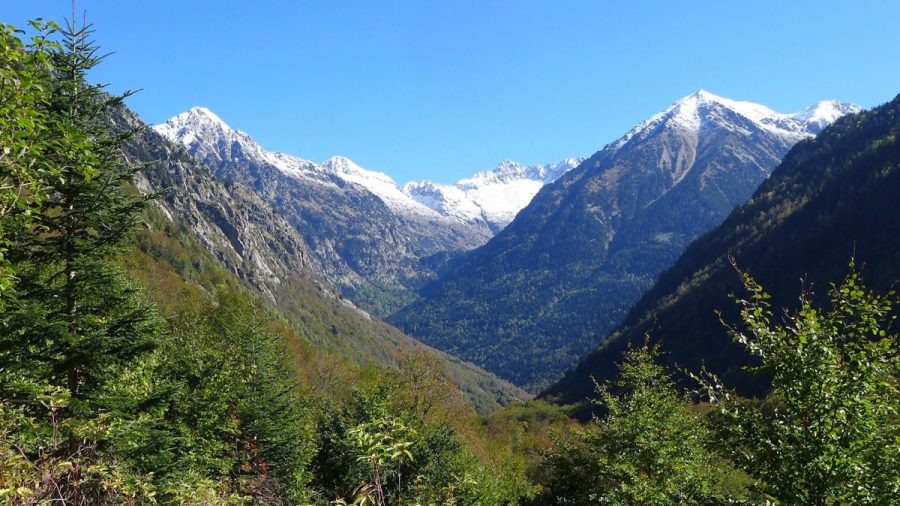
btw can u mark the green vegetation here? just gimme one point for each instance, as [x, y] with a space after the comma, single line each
[650, 448]
[134, 369]
[25, 91]
[829, 432]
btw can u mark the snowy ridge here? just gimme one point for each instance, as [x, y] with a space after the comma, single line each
[490, 198]
[204, 134]
[495, 196]
[694, 111]
[378, 183]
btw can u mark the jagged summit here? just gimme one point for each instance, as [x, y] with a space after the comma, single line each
[826, 112]
[193, 123]
[509, 170]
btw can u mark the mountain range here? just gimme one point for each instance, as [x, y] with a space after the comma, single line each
[543, 291]
[834, 199]
[376, 241]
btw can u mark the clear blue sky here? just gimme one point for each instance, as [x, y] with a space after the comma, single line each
[440, 89]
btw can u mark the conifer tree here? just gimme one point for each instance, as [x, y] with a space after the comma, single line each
[74, 323]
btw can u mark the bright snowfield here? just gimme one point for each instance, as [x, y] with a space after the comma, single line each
[494, 197]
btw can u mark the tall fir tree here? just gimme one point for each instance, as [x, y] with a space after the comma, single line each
[74, 323]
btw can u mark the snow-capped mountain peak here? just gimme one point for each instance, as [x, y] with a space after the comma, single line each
[825, 113]
[342, 164]
[193, 125]
[703, 108]
[208, 137]
[378, 183]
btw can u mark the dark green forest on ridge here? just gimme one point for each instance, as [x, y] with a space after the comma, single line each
[136, 369]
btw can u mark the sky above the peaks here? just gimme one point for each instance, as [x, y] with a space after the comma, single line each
[438, 90]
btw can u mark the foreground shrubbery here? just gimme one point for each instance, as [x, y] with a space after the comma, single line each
[828, 433]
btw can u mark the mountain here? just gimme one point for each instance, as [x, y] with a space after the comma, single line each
[537, 296]
[369, 238]
[491, 197]
[833, 198]
[203, 224]
[237, 227]
[377, 241]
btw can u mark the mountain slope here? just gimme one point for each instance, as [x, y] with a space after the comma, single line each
[534, 299]
[377, 241]
[833, 198]
[203, 224]
[230, 221]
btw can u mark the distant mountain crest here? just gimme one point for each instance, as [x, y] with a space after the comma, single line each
[493, 196]
[536, 296]
[489, 199]
[703, 109]
[373, 239]
[830, 200]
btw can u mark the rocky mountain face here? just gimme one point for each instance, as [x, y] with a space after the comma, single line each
[240, 229]
[832, 199]
[540, 294]
[376, 241]
[364, 234]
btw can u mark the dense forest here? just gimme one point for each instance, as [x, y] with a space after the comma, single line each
[135, 369]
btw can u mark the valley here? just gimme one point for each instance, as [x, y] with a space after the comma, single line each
[696, 307]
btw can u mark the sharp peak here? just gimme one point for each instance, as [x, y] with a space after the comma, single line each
[199, 110]
[703, 93]
[701, 96]
[200, 113]
[508, 163]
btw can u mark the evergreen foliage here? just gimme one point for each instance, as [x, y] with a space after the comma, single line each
[99, 406]
[74, 324]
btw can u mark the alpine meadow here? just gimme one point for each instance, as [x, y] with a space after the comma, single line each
[699, 308]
